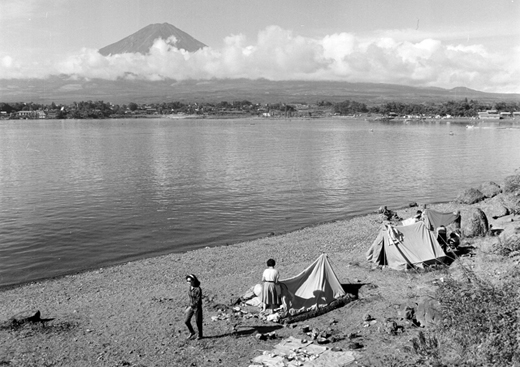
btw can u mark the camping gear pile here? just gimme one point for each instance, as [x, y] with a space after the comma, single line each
[388, 215]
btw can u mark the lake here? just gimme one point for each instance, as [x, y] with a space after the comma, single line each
[84, 194]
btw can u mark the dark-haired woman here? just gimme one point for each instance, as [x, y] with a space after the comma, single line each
[195, 307]
[270, 290]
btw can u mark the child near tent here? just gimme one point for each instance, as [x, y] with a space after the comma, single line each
[270, 290]
[195, 307]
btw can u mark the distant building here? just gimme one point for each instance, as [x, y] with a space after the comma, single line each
[26, 114]
[32, 114]
[489, 115]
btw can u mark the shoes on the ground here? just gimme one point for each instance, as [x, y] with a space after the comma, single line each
[199, 337]
[191, 336]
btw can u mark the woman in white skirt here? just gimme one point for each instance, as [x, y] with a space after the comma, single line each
[271, 289]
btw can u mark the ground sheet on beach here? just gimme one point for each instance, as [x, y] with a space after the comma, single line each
[293, 352]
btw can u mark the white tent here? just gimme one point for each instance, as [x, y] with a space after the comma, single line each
[316, 286]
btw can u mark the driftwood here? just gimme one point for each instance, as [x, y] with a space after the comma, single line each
[25, 318]
[337, 303]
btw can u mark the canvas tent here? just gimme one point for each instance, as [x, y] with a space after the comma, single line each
[314, 287]
[403, 247]
[434, 219]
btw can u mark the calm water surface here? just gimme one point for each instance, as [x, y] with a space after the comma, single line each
[83, 194]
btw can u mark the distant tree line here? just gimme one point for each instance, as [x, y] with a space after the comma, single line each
[463, 108]
[101, 110]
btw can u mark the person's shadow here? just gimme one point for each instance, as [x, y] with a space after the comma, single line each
[246, 330]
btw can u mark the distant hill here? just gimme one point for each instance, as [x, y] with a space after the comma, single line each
[142, 40]
[64, 89]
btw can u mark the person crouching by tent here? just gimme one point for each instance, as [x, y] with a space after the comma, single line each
[195, 307]
[271, 289]
[418, 216]
[454, 240]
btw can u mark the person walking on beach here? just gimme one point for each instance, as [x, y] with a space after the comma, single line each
[195, 307]
[271, 289]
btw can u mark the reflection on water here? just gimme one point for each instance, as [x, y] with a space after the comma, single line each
[84, 194]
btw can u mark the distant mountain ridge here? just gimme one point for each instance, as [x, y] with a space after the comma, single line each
[67, 89]
[142, 40]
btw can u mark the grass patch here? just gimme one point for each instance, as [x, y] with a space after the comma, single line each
[507, 245]
[480, 326]
[481, 319]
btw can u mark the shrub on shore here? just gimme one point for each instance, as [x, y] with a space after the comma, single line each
[481, 319]
[508, 245]
[480, 326]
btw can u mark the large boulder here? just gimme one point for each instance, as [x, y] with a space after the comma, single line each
[515, 207]
[494, 207]
[474, 222]
[512, 184]
[490, 189]
[510, 201]
[470, 196]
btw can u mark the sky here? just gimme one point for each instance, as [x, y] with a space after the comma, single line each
[429, 43]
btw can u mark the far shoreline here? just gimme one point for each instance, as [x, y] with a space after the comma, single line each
[470, 121]
[446, 120]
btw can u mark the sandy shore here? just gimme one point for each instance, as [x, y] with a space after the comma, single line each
[132, 314]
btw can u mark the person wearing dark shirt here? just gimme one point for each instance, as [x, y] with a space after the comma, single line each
[454, 240]
[442, 238]
[195, 307]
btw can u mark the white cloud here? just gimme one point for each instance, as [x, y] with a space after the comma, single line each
[7, 62]
[279, 54]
